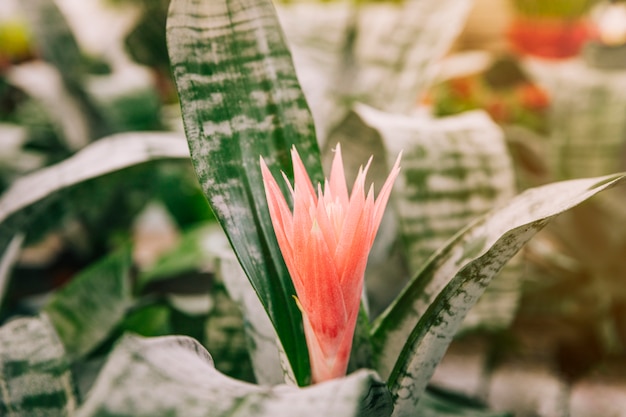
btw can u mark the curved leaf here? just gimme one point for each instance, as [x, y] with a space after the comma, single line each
[240, 100]
[174, 376]
[430, 310]
[35, 378]
[454, 169]
[104, 156]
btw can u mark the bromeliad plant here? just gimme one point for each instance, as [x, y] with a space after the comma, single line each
[241, 104]
[241, 100]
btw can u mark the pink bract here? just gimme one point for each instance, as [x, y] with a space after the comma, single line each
[325, 243]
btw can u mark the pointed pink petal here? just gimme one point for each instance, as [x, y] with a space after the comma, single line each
[301, 177]
[337, 181]
[383, 197]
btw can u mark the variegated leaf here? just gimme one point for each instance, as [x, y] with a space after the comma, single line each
[174, 376]
[454, 169]
[240, 101]
[35, 377]
[398, 47]
[86, 310]
[318, 34]
[412, 335]
[269, 362]
[107, 155]
[384, 54]
[587, 124]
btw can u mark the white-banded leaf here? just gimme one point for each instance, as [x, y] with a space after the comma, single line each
[269, 362]
[384, 54]
[35, 378]
[318, 33]
[241, 100]
[107, 155]
[398, 47]
[587, 124]
[413, 334]
[86, 310]
[174, 376]
[454, 169]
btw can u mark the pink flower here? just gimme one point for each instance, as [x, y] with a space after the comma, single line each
[325, 243]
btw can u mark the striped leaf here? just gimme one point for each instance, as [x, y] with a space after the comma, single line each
[32, 192]
[241, 100]
[398, 48]
[35, 378]
[587, 125]
[454, 169]
[413, 334]
[85, 311]
[268, 359]
[384, 54]
[175, 376]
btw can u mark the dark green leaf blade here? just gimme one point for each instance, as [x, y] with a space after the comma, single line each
[241, 100]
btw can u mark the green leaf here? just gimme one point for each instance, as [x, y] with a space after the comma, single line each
[174, 376]
[86, 310]
[398, 48]
[429, 311]
[241, 100]
[268, 358]
[30, 193]
[454, 169]
[196, 251]
[35, 379]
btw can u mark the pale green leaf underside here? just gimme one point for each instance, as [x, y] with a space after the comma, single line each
[174, 376]
[35, 378]
[240, 101]
[430, 310]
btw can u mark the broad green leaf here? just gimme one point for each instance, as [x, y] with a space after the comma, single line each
[86, 310]
[174, 376]
[35, 378]
[240, 101]
[107, 155]
[413, 334]
[454, 169]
